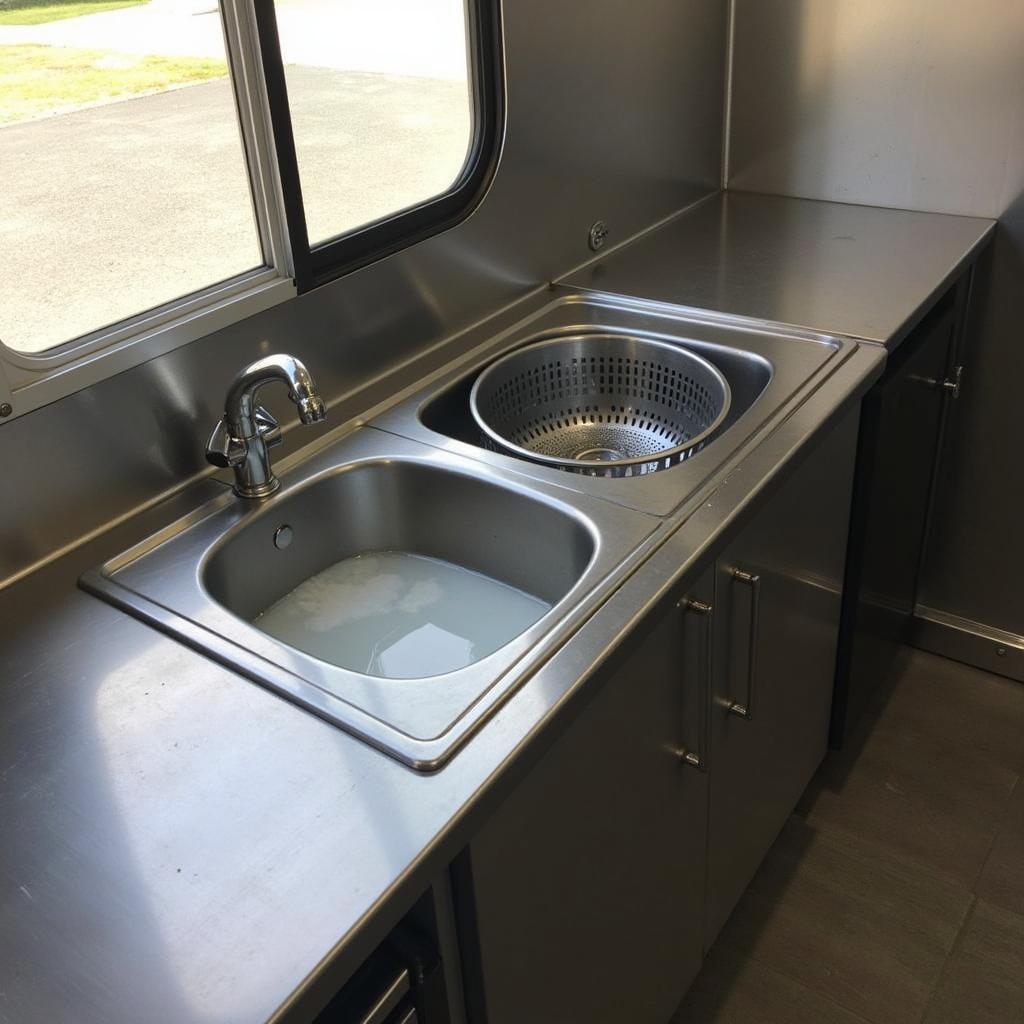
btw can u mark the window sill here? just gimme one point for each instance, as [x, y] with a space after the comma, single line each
[29, 380]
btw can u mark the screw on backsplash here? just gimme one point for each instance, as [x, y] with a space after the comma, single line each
[6, 409]
[1001, 651]
[598, 235]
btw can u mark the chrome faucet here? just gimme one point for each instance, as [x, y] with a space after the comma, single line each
[242, 439]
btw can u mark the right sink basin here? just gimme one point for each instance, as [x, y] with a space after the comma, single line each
[651, 411]
[632, 402]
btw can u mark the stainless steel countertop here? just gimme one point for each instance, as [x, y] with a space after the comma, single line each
[862, 271]
[181, 845]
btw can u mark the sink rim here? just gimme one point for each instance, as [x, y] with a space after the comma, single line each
[629, 530]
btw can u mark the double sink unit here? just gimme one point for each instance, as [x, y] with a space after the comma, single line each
[410, 574]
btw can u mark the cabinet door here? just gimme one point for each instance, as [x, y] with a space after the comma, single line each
[777, 601]
[896, 465]
[588, 881]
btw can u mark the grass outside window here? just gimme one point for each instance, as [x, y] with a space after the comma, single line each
[41, 80]
[38, 12]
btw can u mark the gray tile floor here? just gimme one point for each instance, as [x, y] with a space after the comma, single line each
[895, 893]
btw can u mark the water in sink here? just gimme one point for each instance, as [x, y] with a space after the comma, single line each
[400, 615]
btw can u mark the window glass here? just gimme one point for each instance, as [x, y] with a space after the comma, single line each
[124, 175]
[380, 105]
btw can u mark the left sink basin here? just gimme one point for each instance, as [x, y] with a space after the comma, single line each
[398, 569]
[395, 590]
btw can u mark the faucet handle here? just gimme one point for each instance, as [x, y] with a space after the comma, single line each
[224, 450]
[269, 428]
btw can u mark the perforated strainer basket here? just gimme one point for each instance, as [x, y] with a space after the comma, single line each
[603, 404]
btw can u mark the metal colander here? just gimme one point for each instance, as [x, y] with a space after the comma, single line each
[603, 404]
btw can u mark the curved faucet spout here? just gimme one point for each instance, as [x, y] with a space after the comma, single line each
[242, 438]
[240, 406]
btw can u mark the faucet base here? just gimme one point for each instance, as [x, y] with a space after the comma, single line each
[263, 490]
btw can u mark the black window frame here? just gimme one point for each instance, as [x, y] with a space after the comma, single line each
[326, 261]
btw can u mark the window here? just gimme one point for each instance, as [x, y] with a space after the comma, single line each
[166, 160]
[380, 106]
[387, 126]
[124, 175]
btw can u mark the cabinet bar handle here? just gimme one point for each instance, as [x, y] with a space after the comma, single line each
[698, 758]
[952, 385]
[948, 385]
[746, 709]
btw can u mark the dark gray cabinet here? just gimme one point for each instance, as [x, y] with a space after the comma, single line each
[896, 462]
[778, 592]
[589, 880]
[607, 873]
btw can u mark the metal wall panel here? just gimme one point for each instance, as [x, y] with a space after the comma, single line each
[917, 104]
[614, 112]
